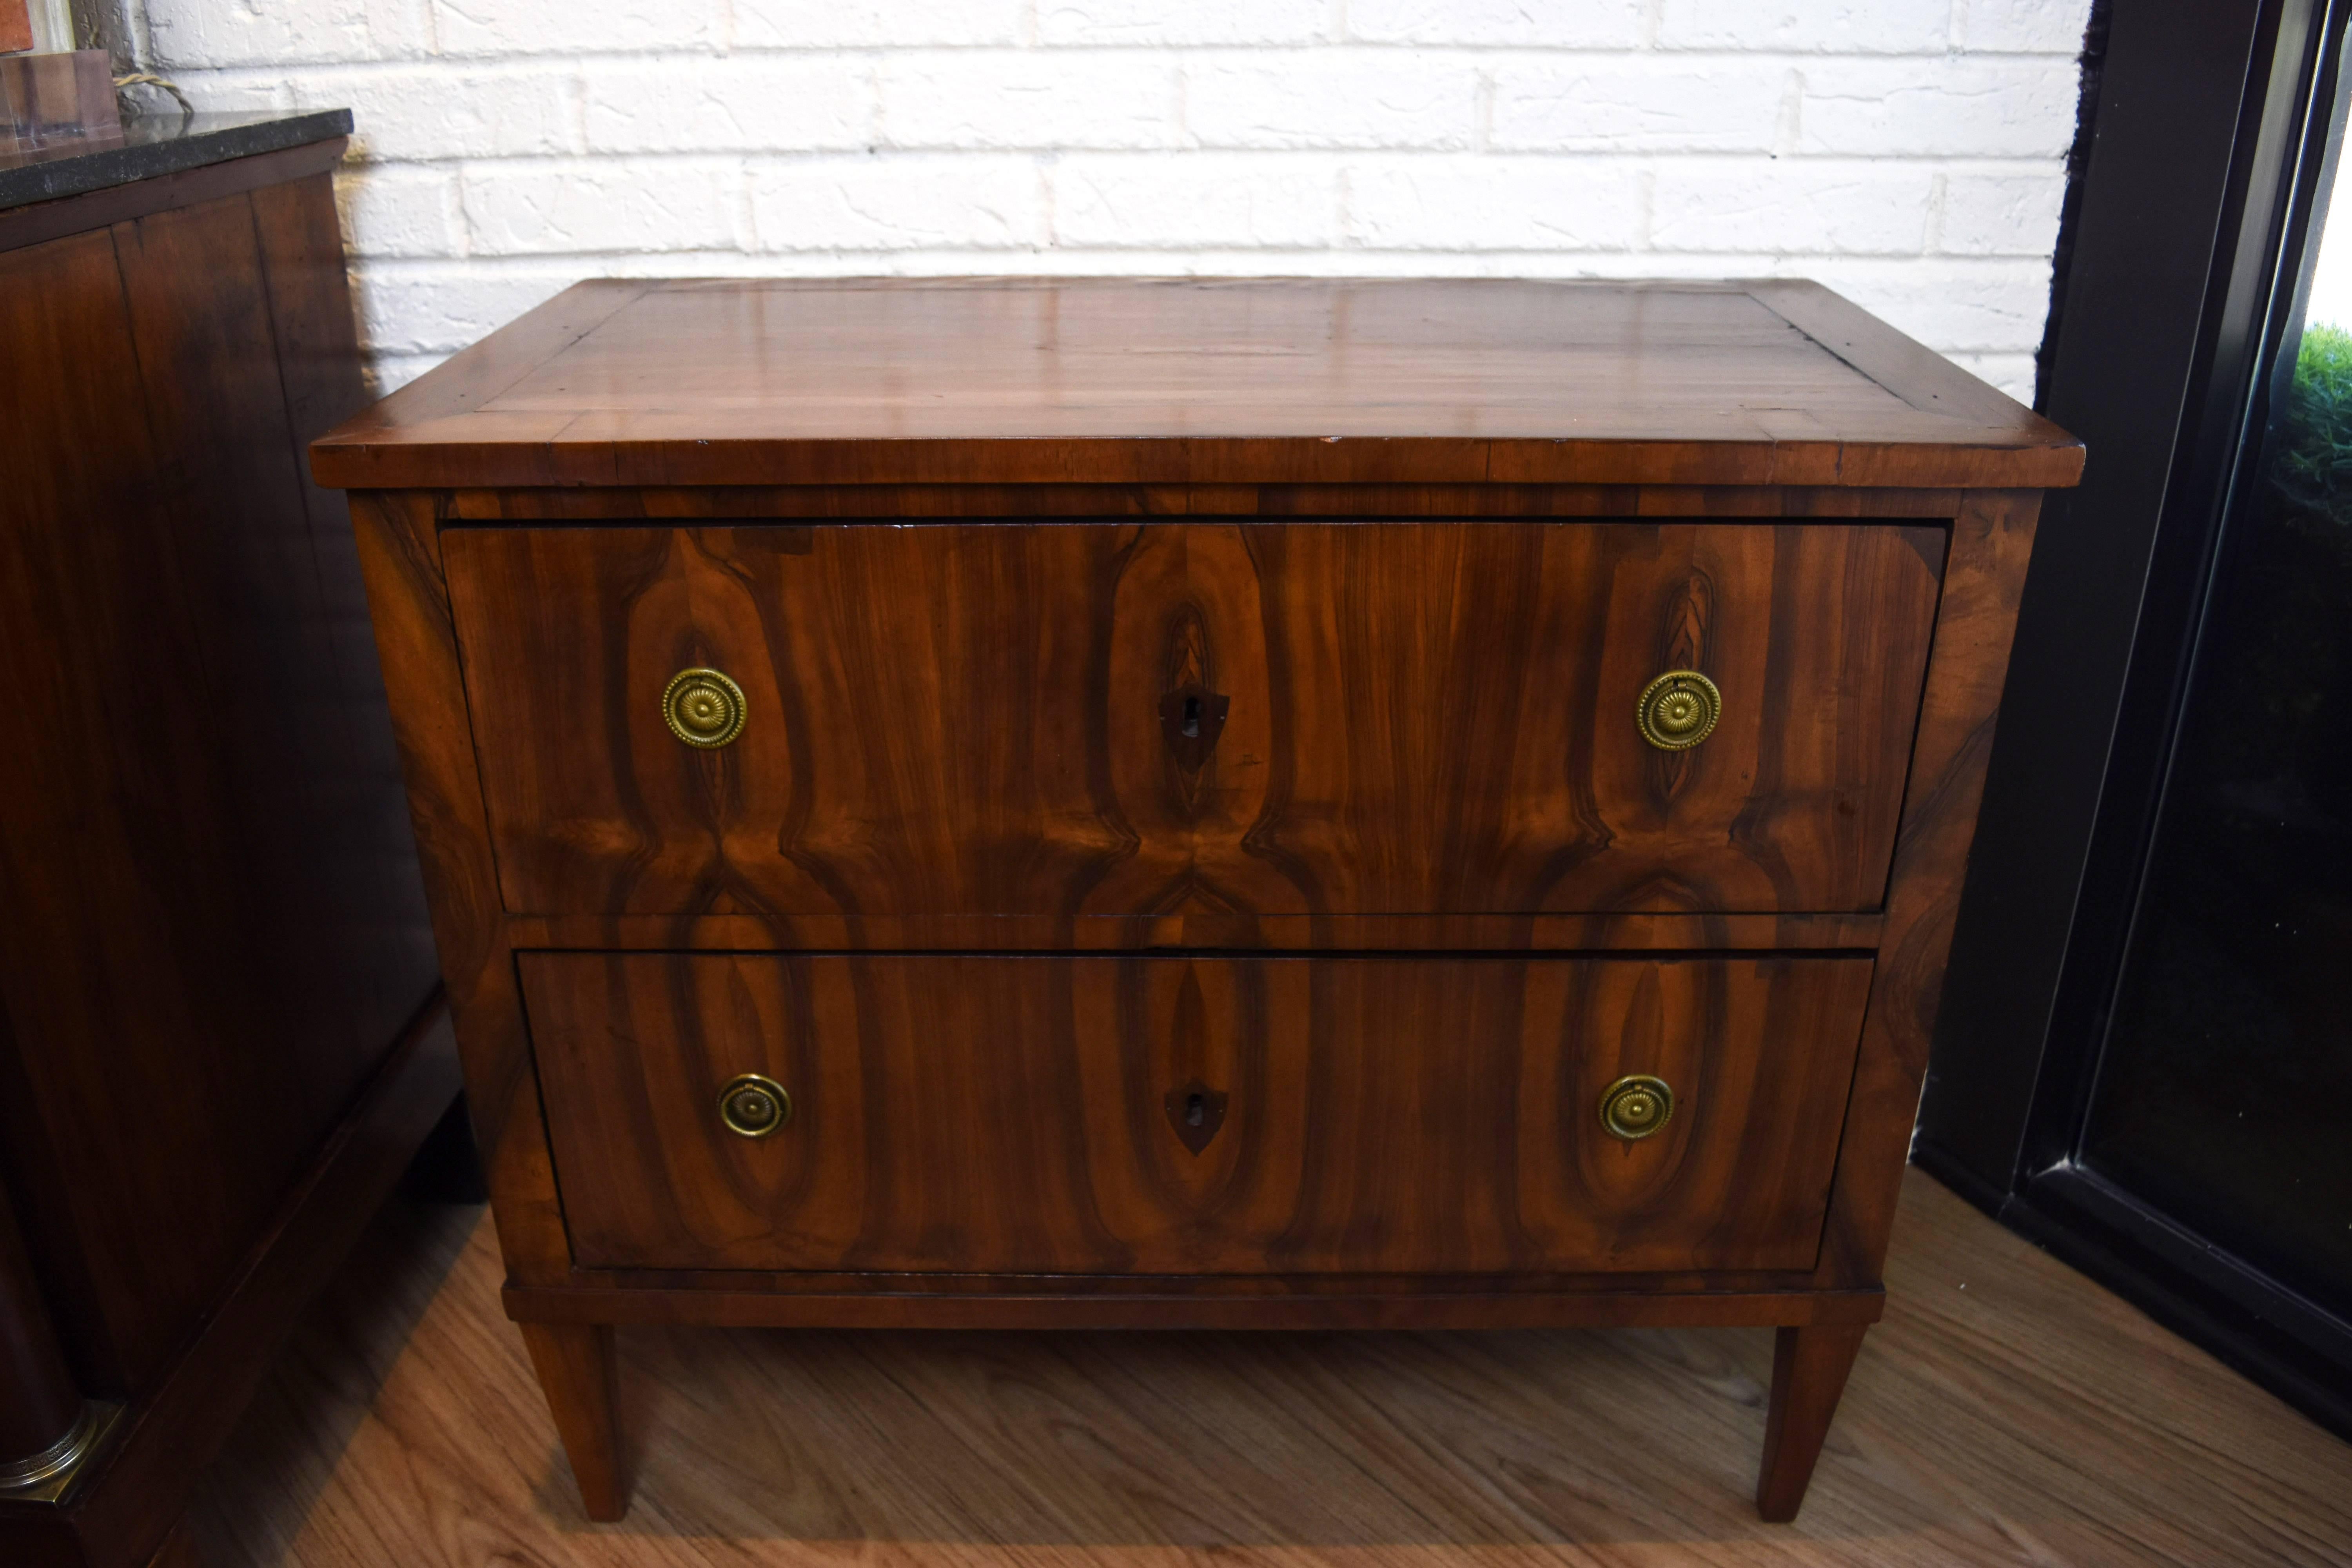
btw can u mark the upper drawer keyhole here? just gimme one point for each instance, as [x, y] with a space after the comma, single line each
[1191, 717]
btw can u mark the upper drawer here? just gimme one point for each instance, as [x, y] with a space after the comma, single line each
[1070, 720]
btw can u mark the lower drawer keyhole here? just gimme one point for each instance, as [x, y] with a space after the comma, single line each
[1195, 1111]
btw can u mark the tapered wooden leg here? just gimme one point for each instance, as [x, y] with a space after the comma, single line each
[1809, 1369]
[578, 1374]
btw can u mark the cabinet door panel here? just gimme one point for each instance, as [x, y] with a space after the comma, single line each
[1183, 1115]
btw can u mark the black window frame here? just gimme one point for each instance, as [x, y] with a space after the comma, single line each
[2207, 141]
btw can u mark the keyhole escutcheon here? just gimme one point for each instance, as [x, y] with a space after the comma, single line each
[1191, 717]
[1195, 1111]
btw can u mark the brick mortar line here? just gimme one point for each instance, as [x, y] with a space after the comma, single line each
[519, 260]
[942, 47]
[279, 69]
[1999, 164]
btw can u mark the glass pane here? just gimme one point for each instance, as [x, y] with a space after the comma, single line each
[2225, 1089]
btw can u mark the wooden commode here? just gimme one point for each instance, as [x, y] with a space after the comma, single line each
[1122, 804]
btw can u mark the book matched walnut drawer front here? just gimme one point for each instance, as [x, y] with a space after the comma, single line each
[1123, 718]
[1144, 1115]
[1144, 804]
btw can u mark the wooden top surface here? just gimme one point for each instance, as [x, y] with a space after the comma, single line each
[996, 381]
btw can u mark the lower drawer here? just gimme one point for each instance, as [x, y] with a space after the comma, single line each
[1195, 1115]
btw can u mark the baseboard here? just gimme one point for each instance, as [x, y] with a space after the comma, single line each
[121, 1514]
[2232, 1331]
[1954, 1172]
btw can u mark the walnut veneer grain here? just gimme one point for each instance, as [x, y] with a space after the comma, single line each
[1278, 642]
[1191, 381]
[964, 1115]
[1414, 718]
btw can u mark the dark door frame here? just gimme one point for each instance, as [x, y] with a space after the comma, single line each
[2209, 133]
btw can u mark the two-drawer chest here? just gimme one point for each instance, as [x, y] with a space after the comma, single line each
[1122, 804]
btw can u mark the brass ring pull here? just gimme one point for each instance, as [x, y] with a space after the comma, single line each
[1678, 710]
[1635, 1107]
[753, 1106]
[703, 708]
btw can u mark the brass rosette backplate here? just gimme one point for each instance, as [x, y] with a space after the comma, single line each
[1678, 710]
[1635, 1107]
[754, 1107]
[703, 708]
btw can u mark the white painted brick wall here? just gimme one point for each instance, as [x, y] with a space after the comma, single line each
[1908, 153]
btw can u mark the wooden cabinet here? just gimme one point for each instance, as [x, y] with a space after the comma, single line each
[220, 1037]
[1140, 805]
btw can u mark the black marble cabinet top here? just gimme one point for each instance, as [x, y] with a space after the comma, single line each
[154, 145]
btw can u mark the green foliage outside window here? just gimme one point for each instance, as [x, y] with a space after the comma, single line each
[2314, 451]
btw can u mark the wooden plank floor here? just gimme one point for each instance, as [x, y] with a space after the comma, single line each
[2005, 1412]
